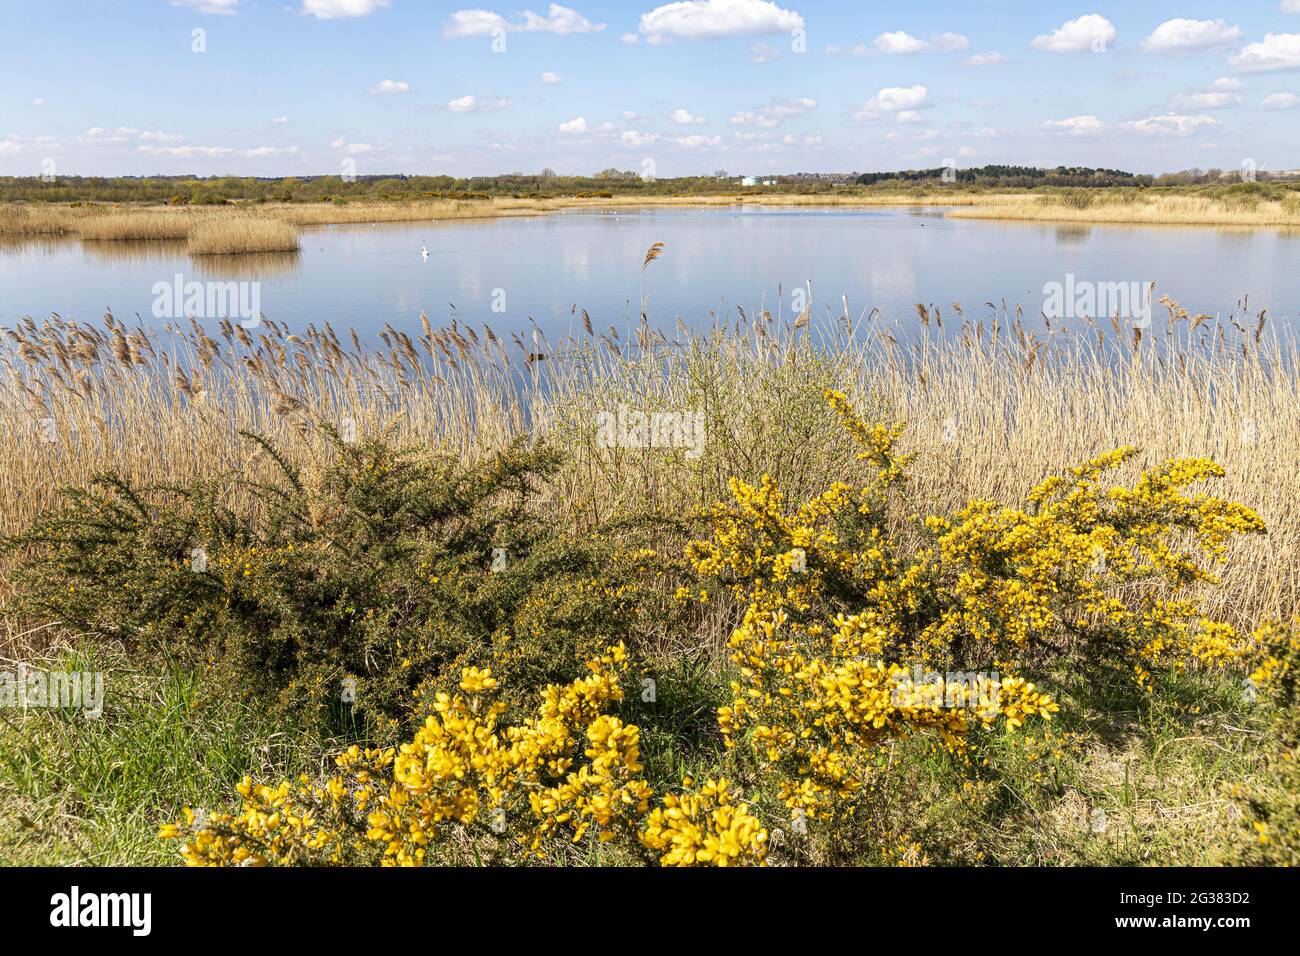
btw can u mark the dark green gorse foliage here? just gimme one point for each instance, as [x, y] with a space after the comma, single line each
[339, 593]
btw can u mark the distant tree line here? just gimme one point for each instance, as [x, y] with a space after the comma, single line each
[191, 190]
[1013, 177]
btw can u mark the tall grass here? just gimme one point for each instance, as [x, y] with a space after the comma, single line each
[993, 407]
[137, 225]
[242, 236]
[1223, 208]
[1132, 207]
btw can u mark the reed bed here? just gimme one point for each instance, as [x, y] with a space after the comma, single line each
[324, 214]
[245, 235]
[1138, 209]
[138, 225]
[992, 406]
[110, 223]
[39, 220]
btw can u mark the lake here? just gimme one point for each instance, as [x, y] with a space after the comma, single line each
[505, 272]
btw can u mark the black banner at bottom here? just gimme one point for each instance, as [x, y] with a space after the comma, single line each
[336, 906]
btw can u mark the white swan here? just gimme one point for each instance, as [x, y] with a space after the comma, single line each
[424, 253]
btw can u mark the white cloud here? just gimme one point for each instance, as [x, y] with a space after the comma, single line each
[762, 53]
[39, 101]
[473, 23]
[697, 141]
[986, 59]
[1277, 51]
[186, 152]
[706, 19]
[900, 42]
[390, 86]
[472, 104]
[551, 79]
[279, 120]
[895, 99]
[1179, 35]
[352, 149]
[949, 42]
[632, 137]
[1281, 101]
[273, 151]
[1204, 100]
[1076, 126]
[966, 152]
[97, 135]
[220, 7]
[578, 125]
[1219, 95]
[1082, 35]
[910, 116]
[210, 152]
[559, 19]
[1290, 6]
[341, 9]
[684, 118]
[771, 115]
[1171, 124]
[631, 39]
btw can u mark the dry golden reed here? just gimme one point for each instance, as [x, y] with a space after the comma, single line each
[1137, 209]
[137, 225]
[244, 235]
[991, 406]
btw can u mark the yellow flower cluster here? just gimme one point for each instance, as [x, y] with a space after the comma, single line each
[814, 703]
[707, 828]
[463, 769]
[840, 617]
[1274, 653]
[287, 824]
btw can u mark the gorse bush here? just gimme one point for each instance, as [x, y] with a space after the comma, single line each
[339, 590]
[490, 650]
[1272, 803]
[852, 637]
[515, 788]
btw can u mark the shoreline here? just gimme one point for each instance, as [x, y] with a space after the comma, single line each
[1088, 207]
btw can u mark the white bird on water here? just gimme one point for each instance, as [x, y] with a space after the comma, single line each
[424, 253]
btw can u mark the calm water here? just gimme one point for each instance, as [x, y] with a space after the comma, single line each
[506, 271]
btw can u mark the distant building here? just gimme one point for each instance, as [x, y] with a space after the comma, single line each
[749, 181]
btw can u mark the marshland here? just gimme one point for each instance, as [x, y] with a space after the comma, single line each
[284, 534]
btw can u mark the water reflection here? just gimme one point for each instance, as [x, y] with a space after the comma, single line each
[146, 251]
[716, 260]
[1072, 234]
[41, 245]
[249, 267]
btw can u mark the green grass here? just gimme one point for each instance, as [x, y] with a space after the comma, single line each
[1141, 780]
[78, 790]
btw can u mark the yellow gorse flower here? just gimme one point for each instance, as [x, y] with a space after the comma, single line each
[839, 618]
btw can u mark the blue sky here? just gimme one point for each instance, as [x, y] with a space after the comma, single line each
[299, 87]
